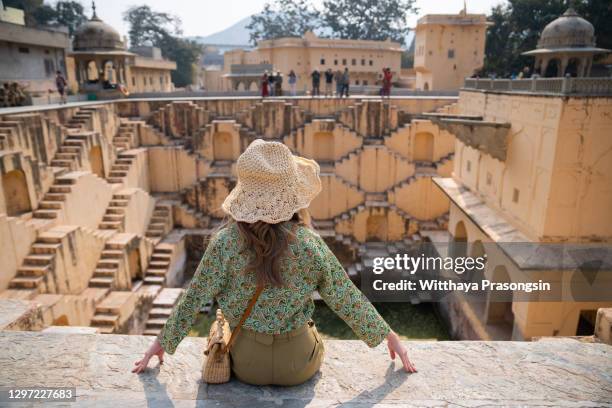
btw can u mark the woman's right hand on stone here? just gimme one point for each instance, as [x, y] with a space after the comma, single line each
[396, 347]
[154, 350]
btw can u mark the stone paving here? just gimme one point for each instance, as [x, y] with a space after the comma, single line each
[549, 373]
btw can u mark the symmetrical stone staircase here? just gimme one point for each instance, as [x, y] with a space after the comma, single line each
[37, 264]
[115, 213]
[53, 201]
[81, 119]
[120, 168]
[161, 221]
[159, 265]
[106, 317]
[70, 153]
[162, 307]
[124, 139]
[108, 266]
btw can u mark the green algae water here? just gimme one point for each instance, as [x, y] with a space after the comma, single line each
[410, 322]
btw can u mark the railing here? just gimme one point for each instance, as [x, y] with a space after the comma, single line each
[561, 86]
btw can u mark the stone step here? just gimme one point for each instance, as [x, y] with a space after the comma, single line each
[66, 181]
[104, 272]
[151, 331]
[50, 205]
[118, 203]
[159, 264]
[105, 319]
[159, 322]
[110, 225]
[62, 163]
[108, 263]
[115, 210]
[154, 280]
[154, 234]
[101, 282]
[161, 257]
[44, 248]
[49, 214]
[114, 180]
[117, 174]
[120, 167]
[38, 259]
[160, 312]
[57, 189]
[157, 271]
[111, 254]
[55, 197]
[27, 282]
[33, 270]
[113, 217]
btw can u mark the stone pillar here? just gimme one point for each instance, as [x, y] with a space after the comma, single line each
[545, 61]
[561, 69]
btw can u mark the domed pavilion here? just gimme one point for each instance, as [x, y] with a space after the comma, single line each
[566, 47]
[104, 66]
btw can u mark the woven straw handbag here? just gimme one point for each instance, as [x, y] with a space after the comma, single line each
[217, 366]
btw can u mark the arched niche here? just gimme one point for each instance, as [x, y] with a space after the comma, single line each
[16, 195]
[423, 147]
[222, 146]
[323, 146]
[96, 160]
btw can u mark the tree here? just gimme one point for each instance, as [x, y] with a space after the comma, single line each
[368, 19]
[147, 25]
[283, 18]
[163, 30]
[70, 14]
[517, 27]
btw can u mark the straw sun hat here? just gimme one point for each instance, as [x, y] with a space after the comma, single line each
[273, 184]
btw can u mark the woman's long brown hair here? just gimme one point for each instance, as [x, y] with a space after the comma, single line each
[268, 243]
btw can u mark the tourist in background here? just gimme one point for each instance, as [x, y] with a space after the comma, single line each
[264, 85]
[60, 84]
[346, 80]
[338, 80]
[269, 247]
[292, 82]
[278, 84]
[316, 82]
[271, 80]
[329, 79]
[387, 82]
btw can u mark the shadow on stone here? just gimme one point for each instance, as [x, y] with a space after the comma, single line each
[370, 398]
[155, 392]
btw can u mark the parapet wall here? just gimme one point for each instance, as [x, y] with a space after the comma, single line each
[561, 372]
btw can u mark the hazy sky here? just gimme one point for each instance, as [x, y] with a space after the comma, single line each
[203, 17]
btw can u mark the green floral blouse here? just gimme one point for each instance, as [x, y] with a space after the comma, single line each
[309, 265]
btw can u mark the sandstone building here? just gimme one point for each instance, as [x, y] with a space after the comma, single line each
[448, 48]
[533, 170]
[102, 63]
[364, 59]
[30, 56]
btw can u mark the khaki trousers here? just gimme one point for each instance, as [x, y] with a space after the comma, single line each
[280, 359]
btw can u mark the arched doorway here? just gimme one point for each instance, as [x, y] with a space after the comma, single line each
[423, 147]
[552, 69]
[134, 264]
[16, 196]
[323, 146]
[572, 68]
[92, 72]
[426, 86]
[61, 321]
[376, 228]
[110, 73]
[96, 161]
[459, 242]
[499, 303]
[222, 146]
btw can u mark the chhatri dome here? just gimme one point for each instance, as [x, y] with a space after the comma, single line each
[566, 46]
[95, 34]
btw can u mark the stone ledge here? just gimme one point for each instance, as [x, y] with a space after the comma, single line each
[559, 373]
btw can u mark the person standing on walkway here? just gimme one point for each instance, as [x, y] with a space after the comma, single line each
[338, 80]
[264, 85]
[316, 82]
[278, 84]
[292, 82]
[329, 79]
[271, 80]
[60, 84]
[387, 81]
[346, 80]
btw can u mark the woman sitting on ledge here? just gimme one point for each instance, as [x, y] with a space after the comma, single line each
[269, 242]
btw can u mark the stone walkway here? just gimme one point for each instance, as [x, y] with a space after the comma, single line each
[549, 373]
